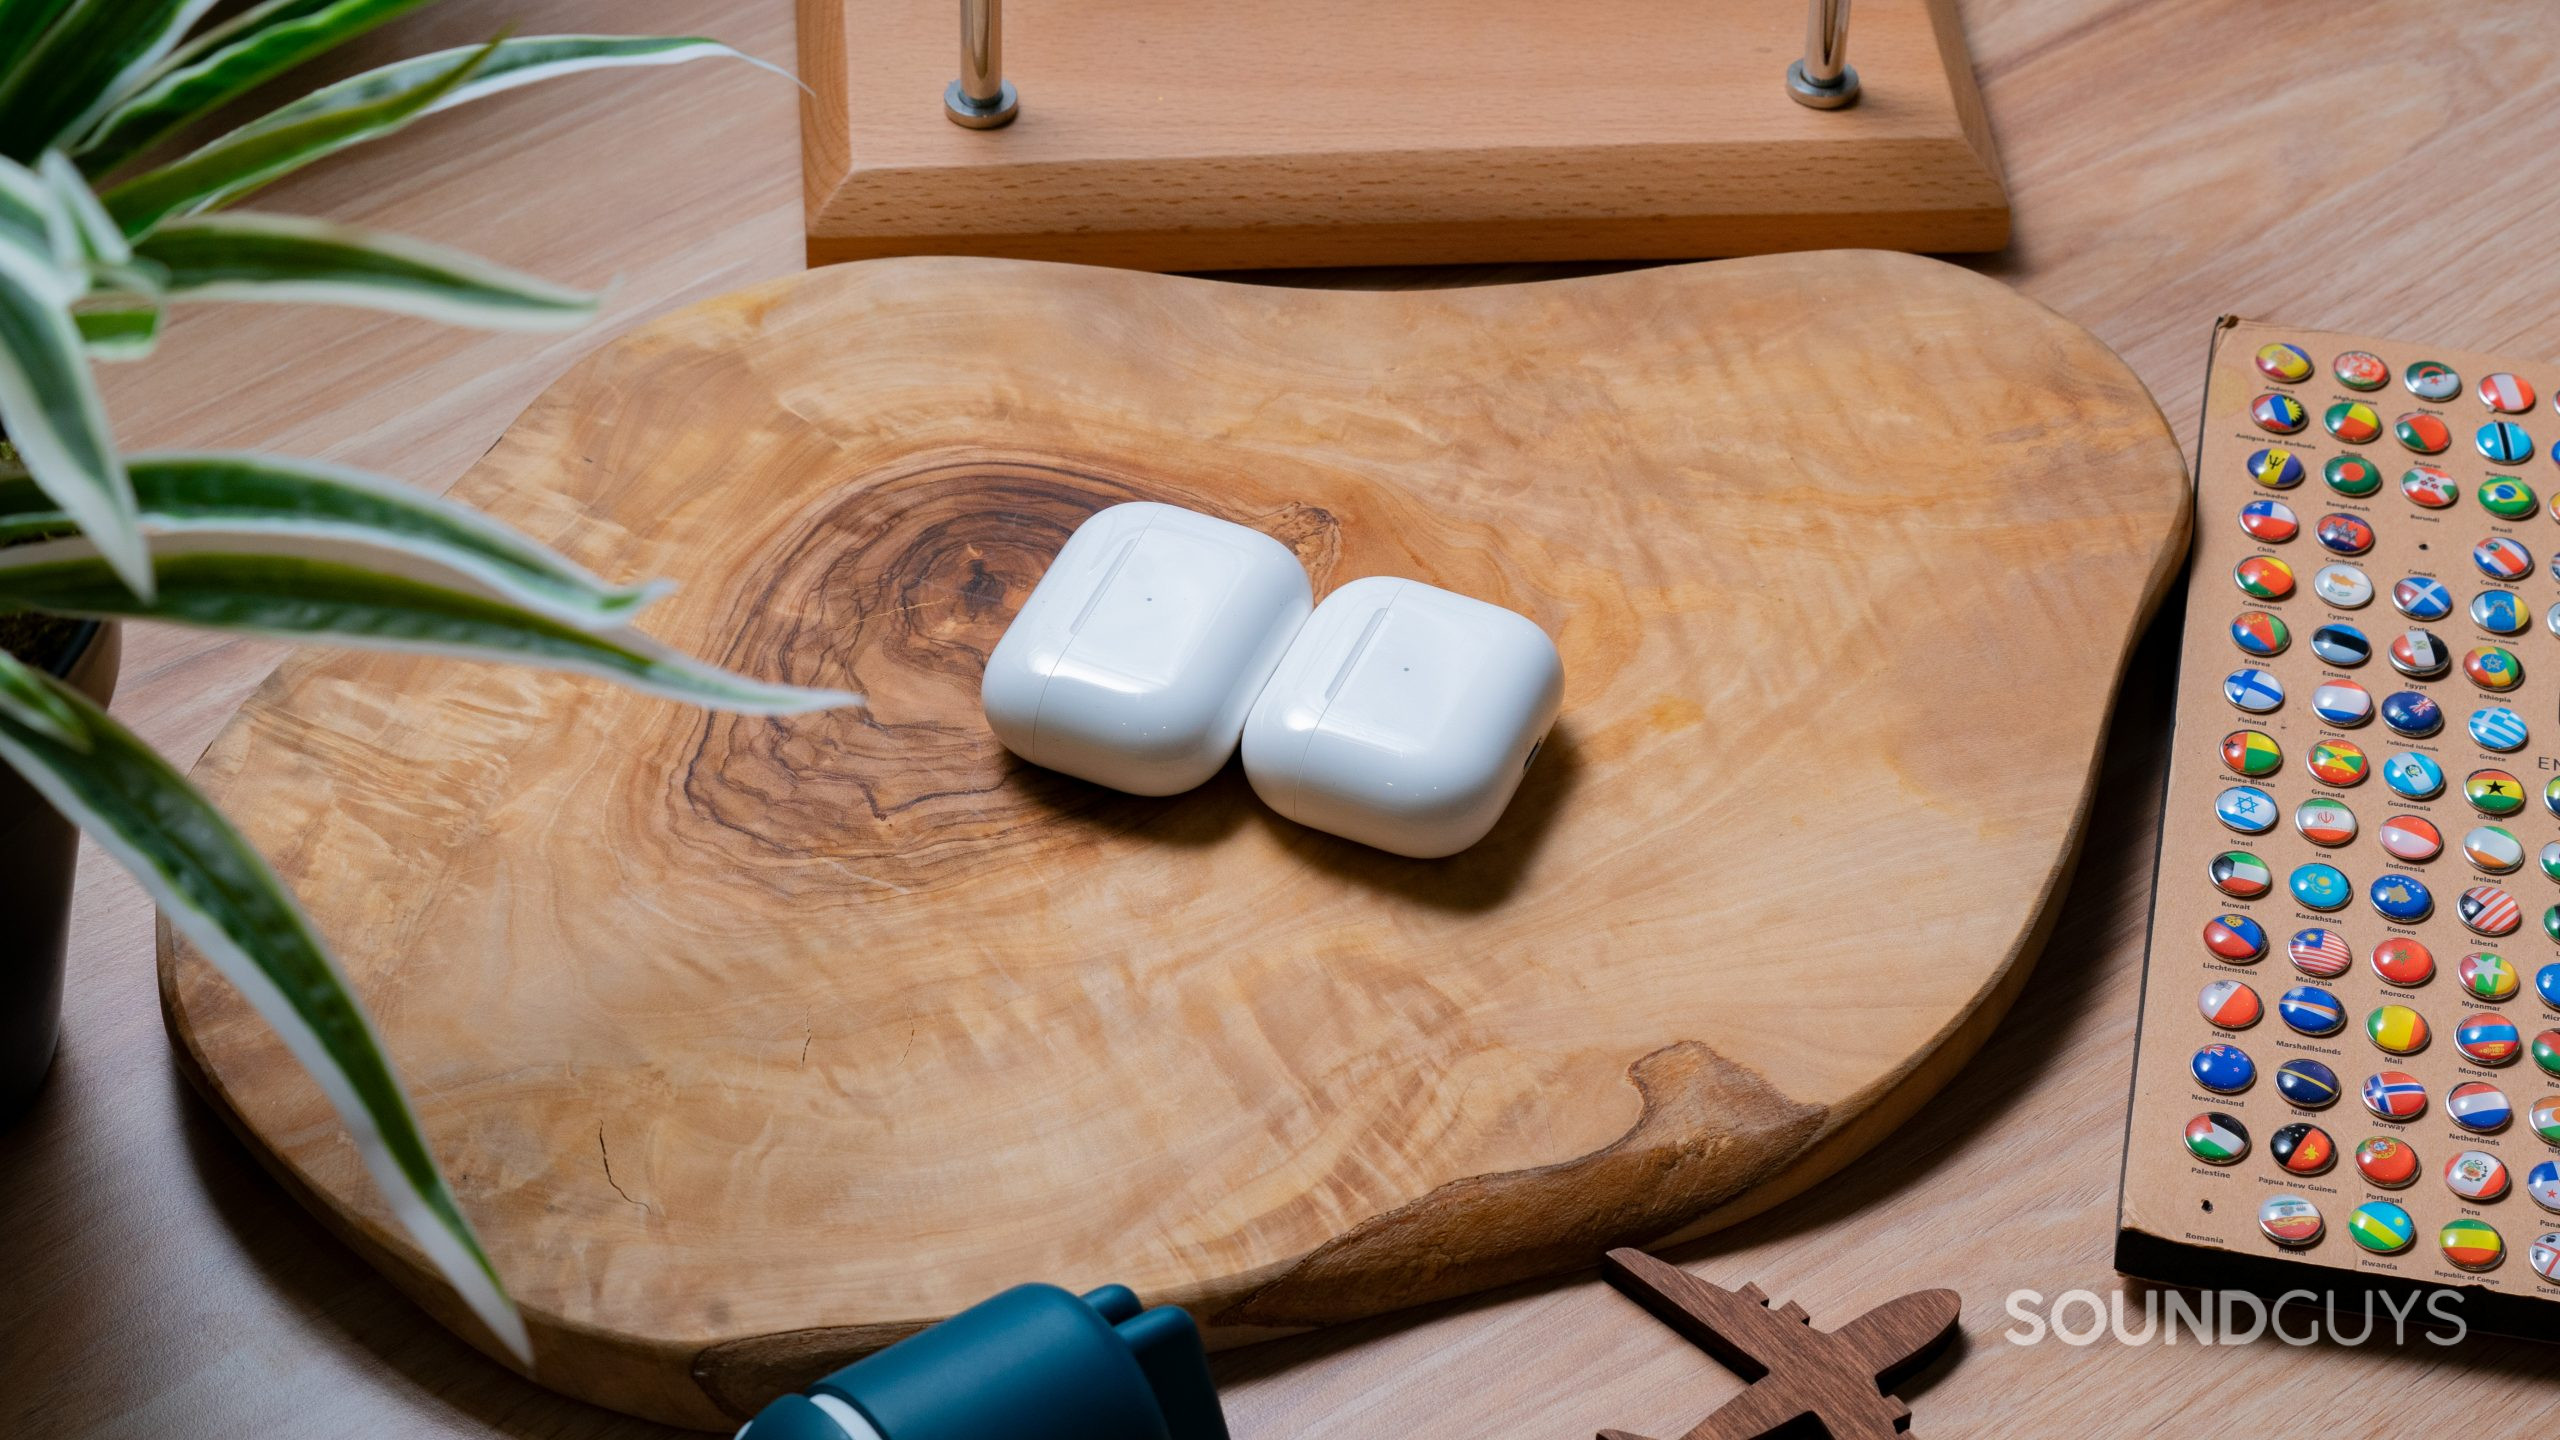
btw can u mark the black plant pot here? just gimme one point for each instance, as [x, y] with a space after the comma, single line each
[37, 848]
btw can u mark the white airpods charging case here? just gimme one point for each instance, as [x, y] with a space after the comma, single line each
[1403, 716]
[1135, 658]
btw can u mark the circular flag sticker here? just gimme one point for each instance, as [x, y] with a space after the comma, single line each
[2387, 1162]
[2429, 488]
[2471, 1244]
[2342, 645]
[2326, 823]
[2493, 667]
[2546, 1051]
[2493, 848]
[2412, 776]
[2401, 897]
[2279, 414]
[2420, 655]
[2235, 938]
[2544, 1255]
[2269, 521]
[2360, 370]
[2224, 1069]
[2289, 1220]
[2420, 597]
[2302, 1148]
[2476, 1175]
[2342, 703]
[2217, 1139]
[2255, 691]
[2247, 809]
[2318, 887]
[2500, 558]
[2275, 469]
[2491, 911]
[2311, 1010]
[2500, 612]
[2412, 839]
[2264, 577]
[2423, 433]
[2345, 534]
[2336, 762]
[2497, 727]
[2253, 753]
[2507, 394]
[2409, 713]
[2320, 954]
[2230, 1004]
[2544, 1117]
[2502, 442]
[2477, 1106]
[2483, 1038]
[2394, 1095]
[2258, 633]
[2352, 475]
[2353, 421]
[2397, 1029]
[2493, 792]
[2344, 586]
[2507, 497]
[2403, 962]
[2432, 380]
[2382, 1227]
[2486, 975]
[2288, 364]
[2240, 875]
[2307, 1084]
[2543, 1184]
[2551, 800]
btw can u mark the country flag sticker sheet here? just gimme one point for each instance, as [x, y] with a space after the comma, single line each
[2355, 929]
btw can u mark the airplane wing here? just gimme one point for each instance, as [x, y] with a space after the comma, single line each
[1737, 1327]
[1893, 1334]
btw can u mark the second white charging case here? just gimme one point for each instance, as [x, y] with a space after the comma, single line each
[1403, 716]
[1135, 658]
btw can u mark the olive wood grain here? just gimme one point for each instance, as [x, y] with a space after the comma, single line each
[753, 1044]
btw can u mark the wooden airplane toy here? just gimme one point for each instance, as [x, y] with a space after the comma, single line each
[1842, 1378]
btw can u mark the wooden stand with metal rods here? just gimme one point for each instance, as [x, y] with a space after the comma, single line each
[1162, 134]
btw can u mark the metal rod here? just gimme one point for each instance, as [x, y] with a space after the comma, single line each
[1823, 79]
[981, 98]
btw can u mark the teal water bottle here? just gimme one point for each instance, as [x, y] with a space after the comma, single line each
[1033, 1361]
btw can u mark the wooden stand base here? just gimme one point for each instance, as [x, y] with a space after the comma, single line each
[1164, 135]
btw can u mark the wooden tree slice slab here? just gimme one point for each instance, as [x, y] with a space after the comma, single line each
[751, 1045]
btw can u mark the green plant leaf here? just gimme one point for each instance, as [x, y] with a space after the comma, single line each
[199, 79]
[352, 517]
[263, 586]
[32, 215]
[119, 329]
[22, 24]
[518, 60]
[94, 52]
[50, 409]
[219, 892]
[254, 154]
[287, 258]
[101, 243]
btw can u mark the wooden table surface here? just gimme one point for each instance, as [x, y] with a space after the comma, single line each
[2365, 166]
